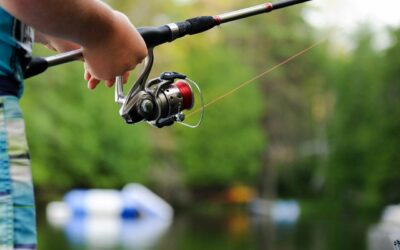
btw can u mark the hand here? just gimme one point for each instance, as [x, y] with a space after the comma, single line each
[93, 82]
[117, 54]
[113, 56]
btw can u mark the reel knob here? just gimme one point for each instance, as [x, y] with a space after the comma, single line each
[147, 106]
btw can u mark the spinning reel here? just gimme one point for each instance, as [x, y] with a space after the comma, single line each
[160, 101]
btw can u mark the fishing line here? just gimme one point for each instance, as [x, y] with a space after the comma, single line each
[227, 94]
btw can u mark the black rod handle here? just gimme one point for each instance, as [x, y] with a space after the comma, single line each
[38, 65]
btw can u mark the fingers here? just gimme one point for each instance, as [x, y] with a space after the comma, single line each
[110, 83]
[50, 47]
[126, 77]
[61, 45]
[93, 82]
[87, 75]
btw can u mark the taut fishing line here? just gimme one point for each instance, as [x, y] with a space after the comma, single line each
[289, 59]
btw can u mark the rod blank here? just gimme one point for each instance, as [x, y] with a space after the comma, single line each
[255, 10]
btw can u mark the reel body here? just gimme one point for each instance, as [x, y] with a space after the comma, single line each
[160, 101]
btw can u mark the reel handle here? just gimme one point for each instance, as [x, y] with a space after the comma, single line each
[119, 90]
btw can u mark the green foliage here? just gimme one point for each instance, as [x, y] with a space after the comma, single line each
[228, 145]
[363, 132]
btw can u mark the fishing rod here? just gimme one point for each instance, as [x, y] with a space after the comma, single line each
[160, 101]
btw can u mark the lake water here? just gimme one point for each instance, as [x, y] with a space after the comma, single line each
[233, 229]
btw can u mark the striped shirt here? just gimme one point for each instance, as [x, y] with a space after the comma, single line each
[16, 41]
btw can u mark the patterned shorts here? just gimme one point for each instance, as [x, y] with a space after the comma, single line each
[17, 210]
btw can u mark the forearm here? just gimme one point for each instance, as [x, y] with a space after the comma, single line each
[85, 22]
[101, 32]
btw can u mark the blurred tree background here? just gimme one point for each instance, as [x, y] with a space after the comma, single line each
[322, 127]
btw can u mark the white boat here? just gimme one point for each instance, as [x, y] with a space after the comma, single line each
[386, 234]
[135, 217]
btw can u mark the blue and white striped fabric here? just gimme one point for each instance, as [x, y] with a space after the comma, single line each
[16, 41]
[17, 210]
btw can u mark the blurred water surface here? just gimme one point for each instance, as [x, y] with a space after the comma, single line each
[231, 230]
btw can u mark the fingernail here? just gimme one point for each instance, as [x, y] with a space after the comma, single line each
[90, 86]
[109, 83]
[88, 76]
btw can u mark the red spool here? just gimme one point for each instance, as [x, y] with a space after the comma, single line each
[187, 94]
